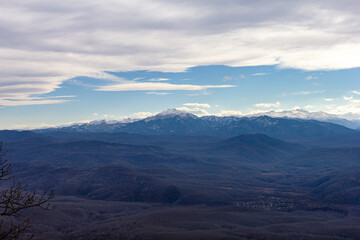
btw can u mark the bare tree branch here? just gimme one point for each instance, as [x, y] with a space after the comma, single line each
[15, 198]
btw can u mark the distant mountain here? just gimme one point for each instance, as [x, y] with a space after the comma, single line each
[174, 122]
[13, 135]
[168, 122]
[320, 116]
[172, 113]
[93, 126]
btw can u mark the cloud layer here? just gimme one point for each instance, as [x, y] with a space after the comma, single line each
[157, 86]
[44, 43]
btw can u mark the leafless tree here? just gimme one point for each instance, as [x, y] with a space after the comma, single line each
[14, 198]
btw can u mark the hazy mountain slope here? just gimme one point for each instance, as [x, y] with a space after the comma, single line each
[87, 154]
[255, 147]
[339, 187]
[325, 158]
[13, 135]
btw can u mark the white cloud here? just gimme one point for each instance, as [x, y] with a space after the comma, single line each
[328, 99]
[309, 106]
[201, 105]
[302, 93]
[356, 92]
[136, 115]
[158, 93]
[310, 78]
[227, 78]
[224, 113]
[267, 105]
[159, 79]
[44, 44]
[200, 93]
[353, 101]
[260, 74]
[352, 105]
[194, 110]
[198, 109]
[16, 102]
[156, 86]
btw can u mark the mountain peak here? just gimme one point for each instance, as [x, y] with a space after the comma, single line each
[174, 112]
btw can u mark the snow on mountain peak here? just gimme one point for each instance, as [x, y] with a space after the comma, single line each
[298, 113]
[173, 113]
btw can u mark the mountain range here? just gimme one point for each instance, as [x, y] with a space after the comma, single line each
[115, 126]
[175, 122]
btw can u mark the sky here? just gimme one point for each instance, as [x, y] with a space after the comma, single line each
[75, 61]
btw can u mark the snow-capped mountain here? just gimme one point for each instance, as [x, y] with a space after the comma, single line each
[171, 113]
[320, 116]
[93, 126]
[173, 121]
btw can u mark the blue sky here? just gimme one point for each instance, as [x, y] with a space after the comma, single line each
[63, 62]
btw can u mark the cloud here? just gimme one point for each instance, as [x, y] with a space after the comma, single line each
[136, 115]
[352, 101]
[356, 92]
[267, 105]
[351, 105]
[307, 92]
[201, 105]
[227, 78]
[224, 113]
[200, 93]
[260, 74]
[198, 109]
[158, 79]
[309, 107]
[156, 86]
[14, 101]
[310, 78]
[158, 93]
[302, 93]
[44, 44]
[194, 110]
[328, 99]
[141, 115]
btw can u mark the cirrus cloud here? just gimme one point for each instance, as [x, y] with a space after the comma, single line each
[156, 86]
